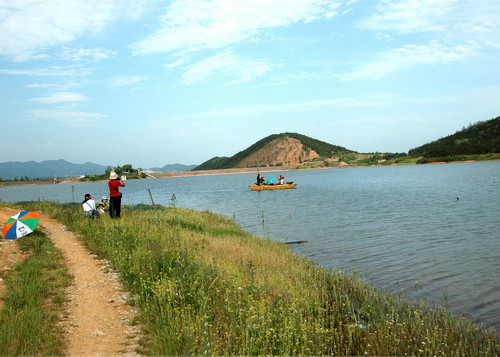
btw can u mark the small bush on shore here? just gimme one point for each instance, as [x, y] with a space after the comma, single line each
[205, 287]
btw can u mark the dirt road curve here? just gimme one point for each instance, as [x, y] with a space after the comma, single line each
[97, 318]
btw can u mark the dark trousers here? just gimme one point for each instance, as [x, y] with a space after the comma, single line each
[115, 203]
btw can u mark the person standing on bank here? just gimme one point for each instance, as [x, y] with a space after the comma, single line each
[115, 195]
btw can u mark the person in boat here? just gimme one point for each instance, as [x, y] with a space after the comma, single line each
[262, 180]
[258, 179]
[282, 180]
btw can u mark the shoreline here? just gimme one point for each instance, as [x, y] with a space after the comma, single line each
[236, 171]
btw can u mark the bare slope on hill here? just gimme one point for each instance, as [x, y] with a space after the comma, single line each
[285, 149]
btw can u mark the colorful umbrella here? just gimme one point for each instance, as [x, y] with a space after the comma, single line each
[20, 225]
[271, 180]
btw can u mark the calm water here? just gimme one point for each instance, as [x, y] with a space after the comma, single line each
[401, 227]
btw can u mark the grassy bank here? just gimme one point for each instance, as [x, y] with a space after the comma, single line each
[205, 287]
[459, 158]
[35, 293]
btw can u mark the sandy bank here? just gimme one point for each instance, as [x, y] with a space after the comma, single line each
[250, 170]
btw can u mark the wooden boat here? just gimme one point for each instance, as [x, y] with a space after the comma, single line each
[272, 187]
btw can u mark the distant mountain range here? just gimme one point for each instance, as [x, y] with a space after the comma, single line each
[62, 168]
[47, 169]
[173, 168]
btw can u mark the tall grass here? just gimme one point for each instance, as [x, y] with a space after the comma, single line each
[205, 287]
[34, 296]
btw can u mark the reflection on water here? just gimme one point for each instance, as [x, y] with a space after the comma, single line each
[425, 231]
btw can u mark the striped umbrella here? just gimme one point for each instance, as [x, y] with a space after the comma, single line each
[20, 225]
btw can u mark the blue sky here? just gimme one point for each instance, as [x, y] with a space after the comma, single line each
[156, 82]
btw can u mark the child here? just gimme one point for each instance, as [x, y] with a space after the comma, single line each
[105, 203]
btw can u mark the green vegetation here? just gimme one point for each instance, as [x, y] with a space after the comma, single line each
[127, 170]
[35, 293]
[480, 138]
[204, 287]
[22, 179]
[403, 160]
[215, 163]
[380, 159]
[479, 157]
[471, 143]
[16, 181]
[322, 148]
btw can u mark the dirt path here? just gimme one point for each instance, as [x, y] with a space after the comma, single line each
[97, 317]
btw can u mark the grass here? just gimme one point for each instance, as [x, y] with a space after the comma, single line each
[204, 287]
[458, 158]
[34, 296]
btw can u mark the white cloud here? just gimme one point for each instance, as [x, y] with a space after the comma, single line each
[465, 28]
[121, 81]
[239, 68]
[453, 18]
[181, 58]
[407, 57]
[86, 54]
[60, 97]
[198, 24]
[30, 27]
[68, 118]
[42, 85]
[53, 71]
[247, 111]
[407, 16]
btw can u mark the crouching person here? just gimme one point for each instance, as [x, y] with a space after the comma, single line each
[88, 205]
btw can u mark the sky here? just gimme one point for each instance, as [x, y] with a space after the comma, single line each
[151, 82]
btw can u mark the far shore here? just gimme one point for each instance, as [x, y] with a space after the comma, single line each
[249, 170]
[171, 174]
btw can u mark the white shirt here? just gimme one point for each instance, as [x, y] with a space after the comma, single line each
[89, 205]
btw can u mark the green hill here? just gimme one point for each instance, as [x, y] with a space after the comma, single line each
[480, 138]
[265, 153]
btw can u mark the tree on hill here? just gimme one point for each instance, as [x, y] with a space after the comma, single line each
[213, 164]
[322, 148]
[127, 170]
[480, 138]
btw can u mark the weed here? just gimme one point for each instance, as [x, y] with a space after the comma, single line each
[205, 287]
[34, 296]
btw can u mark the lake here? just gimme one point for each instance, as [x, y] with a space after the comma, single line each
[430, 232]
